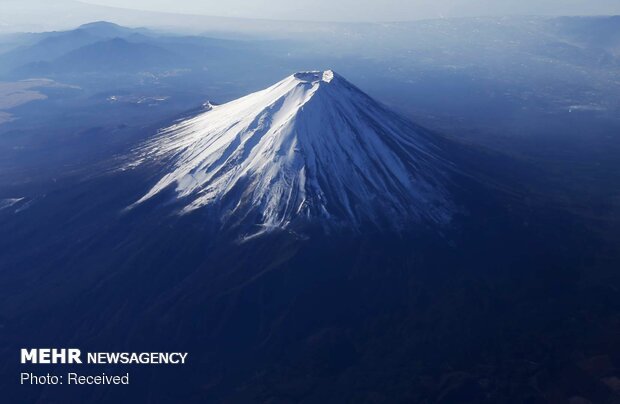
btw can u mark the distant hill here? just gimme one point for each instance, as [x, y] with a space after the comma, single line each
[113, 55]
[107, 47]
[105, 29]
[45, 47]
[49, 47]
[116, 54]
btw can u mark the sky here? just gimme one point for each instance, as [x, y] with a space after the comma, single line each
[192, 16]
[370, 10]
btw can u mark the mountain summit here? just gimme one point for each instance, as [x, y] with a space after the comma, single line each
[311, 148]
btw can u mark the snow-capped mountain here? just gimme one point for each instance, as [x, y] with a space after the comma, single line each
[312, 147]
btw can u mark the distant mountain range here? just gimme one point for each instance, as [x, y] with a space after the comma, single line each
[113, 55]
[48, 48]
[106, 47]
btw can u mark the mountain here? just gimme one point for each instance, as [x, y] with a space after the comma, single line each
[49, 46]
[43, 48]
[312, 147]
[515, 300]
[105, 29]
[430, 314]
[113, 55]
[106, 48]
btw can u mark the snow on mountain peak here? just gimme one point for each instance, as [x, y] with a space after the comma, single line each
[312, 147]
[315, 76]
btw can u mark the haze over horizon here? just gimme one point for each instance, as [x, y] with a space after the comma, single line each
[274, 16]
[376, 11]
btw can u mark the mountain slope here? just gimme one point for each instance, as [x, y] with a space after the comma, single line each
[313, 148]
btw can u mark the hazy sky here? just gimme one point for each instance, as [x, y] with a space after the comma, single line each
[370, 10]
